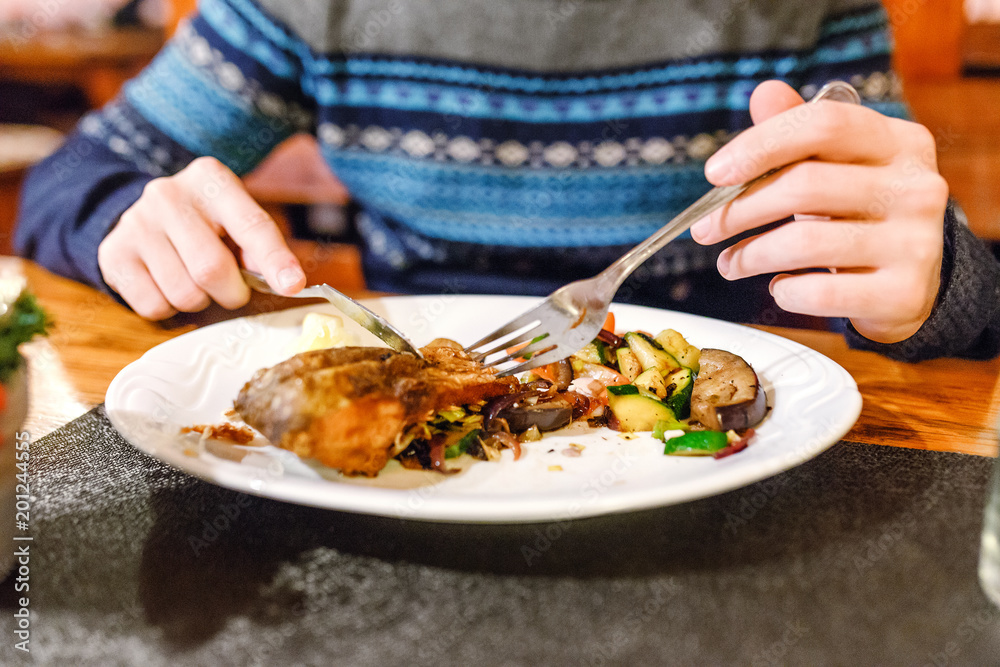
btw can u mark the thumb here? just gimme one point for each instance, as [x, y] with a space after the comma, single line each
[771, 98]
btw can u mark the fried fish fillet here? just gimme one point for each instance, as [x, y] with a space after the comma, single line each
[345, 406]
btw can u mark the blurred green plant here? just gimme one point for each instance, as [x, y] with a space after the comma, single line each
[22, 320]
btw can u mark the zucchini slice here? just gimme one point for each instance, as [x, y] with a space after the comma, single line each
[649, 353]
[680, 383]
[636, 412]
[597, 352]
[652, 382]
[685, 353]
[589, 353]
[628, 364]
[696, 443]
[623, 390]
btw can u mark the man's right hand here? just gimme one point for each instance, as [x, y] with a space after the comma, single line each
[167, 252]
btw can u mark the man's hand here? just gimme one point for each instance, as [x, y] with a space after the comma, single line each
[167, 252]
[868, 203]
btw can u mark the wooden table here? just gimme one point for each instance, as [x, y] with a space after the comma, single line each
[945, 405]
[99, 61]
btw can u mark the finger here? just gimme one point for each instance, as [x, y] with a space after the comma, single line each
[806, 244]
[210, 264]
[171, 276]
[810, 188]
[249, 263]
[878, 296]
[830, 131]
[771, 98]
[248, 225]
[132, 281]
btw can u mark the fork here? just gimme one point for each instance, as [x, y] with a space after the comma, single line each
[389, 334]
[570, 318]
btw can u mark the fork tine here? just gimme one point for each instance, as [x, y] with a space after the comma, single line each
[537, 348]
[528, 335]
[546, 357]
[526, 319]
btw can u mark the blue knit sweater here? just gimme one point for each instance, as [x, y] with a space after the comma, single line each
[493, 145]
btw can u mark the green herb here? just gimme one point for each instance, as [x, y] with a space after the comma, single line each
[532, 342]
[462, 445]
[23, 320]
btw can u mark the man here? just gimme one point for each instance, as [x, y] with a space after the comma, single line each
[513, 146]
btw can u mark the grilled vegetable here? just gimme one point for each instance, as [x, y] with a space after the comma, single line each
[636, 412]
[463, 445]
[652, 381]
[684, 352]
[661, 428]
[547, 416]
[628, 363]
[597, 352]
[649, 353]
[696, 443]
[680, 383]
[726, 394]
[559, 373]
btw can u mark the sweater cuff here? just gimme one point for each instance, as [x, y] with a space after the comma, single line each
[964, 321]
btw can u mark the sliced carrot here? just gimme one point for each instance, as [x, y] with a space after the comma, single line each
[514, 348]
[546, 372]
[609, 322]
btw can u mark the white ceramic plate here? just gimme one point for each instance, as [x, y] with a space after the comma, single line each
[194, 378]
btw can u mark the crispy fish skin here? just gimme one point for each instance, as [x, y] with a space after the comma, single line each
[345, 406]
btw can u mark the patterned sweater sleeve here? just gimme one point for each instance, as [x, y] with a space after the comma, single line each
[965, 321]
[227, 85]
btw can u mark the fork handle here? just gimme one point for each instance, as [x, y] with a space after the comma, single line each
[612, 277]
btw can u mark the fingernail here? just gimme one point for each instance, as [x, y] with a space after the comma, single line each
[289, 278]
[719, 167]
[723, 264]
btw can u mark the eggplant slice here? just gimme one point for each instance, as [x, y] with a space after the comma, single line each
[727, 393]
[547, 416]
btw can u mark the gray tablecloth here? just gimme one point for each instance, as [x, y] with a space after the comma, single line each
[865, 555]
